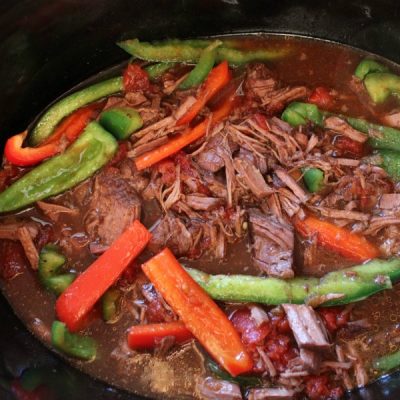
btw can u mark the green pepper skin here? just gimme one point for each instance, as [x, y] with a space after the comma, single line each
[203, 67]
[121, 121]
[380, 85]
[354, 283]
[313, 179]
[390, 162]
[388, 362]
[51, 262]
[367, 66]
[298, 113]
[156, 70]
[110, 305]
[71, 344]
[189, 51]
[61, 109]
[91, 151]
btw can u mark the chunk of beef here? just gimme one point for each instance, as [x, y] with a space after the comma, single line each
[210, 157]
[259, 80]
[13, 260]
[339, 125]
[171, 231]
[203, 203]
[277, 393]
[216, 389]
[114, 205]
[259, 162]
[389, 201]
[311, 360]
[308, 329]
[26, 240]
[273, 243]
[53, 211]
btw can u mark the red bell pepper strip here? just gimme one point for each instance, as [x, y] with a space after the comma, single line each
[146, 337]
[350, 245]
[179, 142]
[27, 156]
[216, 80]
[198, 312]
[80, 297]
[73, 125]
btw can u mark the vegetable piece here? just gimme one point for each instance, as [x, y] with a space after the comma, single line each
[243, 381]
[73, 345]
[298, 113]
[321, 97]
[156, 70]
[387, 362]
[27, 156]
[389, 161]
[121, 121]
[190, 51]
[146, 337]
[135, 78]
[354, 283]
[93, 149]
[337, 239]
[216, 80]
[50, 119]
[110, 304]
[313, 179]
[73, 125]
[203, 67]
[198, 312]
[177, 143]
[380, 85]
[367, 66]
[75, 303]
[51, 262]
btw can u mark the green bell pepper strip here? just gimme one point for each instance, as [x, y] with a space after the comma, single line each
[367, 66]
[110, 304]
[71, 344]
[243, 381]
[61, 109]
[313, 179]
[181, 51]
[91, 151]
[354, 283]
[156, 70]
[51, 262]
[121, 121]
[389, 160]
[380, 137]
[203, 67]
[380, 85]
[387, 362]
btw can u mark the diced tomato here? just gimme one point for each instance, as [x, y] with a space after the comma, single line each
[13, 261]
[135, 78]
[167, 170]
[349, 147]
[321, 97]
[334, 317]
[319, 388]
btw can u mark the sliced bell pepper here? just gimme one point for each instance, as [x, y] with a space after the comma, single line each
[313, 179]
[27, 156]
[337, 239]
[380, 85]
[353, 283]
[146, 337]
[198, 312]
[179, 142]
[73, 345]
[80, 297]
[61, 109]
[387, 362]
[367, 66]
[216, 80]
[121, 121]
[203, 67]
[156, 70]
[110, 304]
[92, 150]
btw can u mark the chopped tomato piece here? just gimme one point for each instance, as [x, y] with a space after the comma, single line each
[135, 78]
[321, 97]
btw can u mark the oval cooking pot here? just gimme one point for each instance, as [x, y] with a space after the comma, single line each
[47, 46]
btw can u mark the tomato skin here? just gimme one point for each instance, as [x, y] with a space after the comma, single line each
[349, 147]
[135, 78]
[321, 97]
[334, 317]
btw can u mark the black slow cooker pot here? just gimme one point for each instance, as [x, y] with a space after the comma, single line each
[48, 46]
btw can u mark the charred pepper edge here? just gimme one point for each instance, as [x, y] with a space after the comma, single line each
[61, 109]
[355, 283]
[90, 152]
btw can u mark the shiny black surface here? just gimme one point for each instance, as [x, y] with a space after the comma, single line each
[48, 46]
